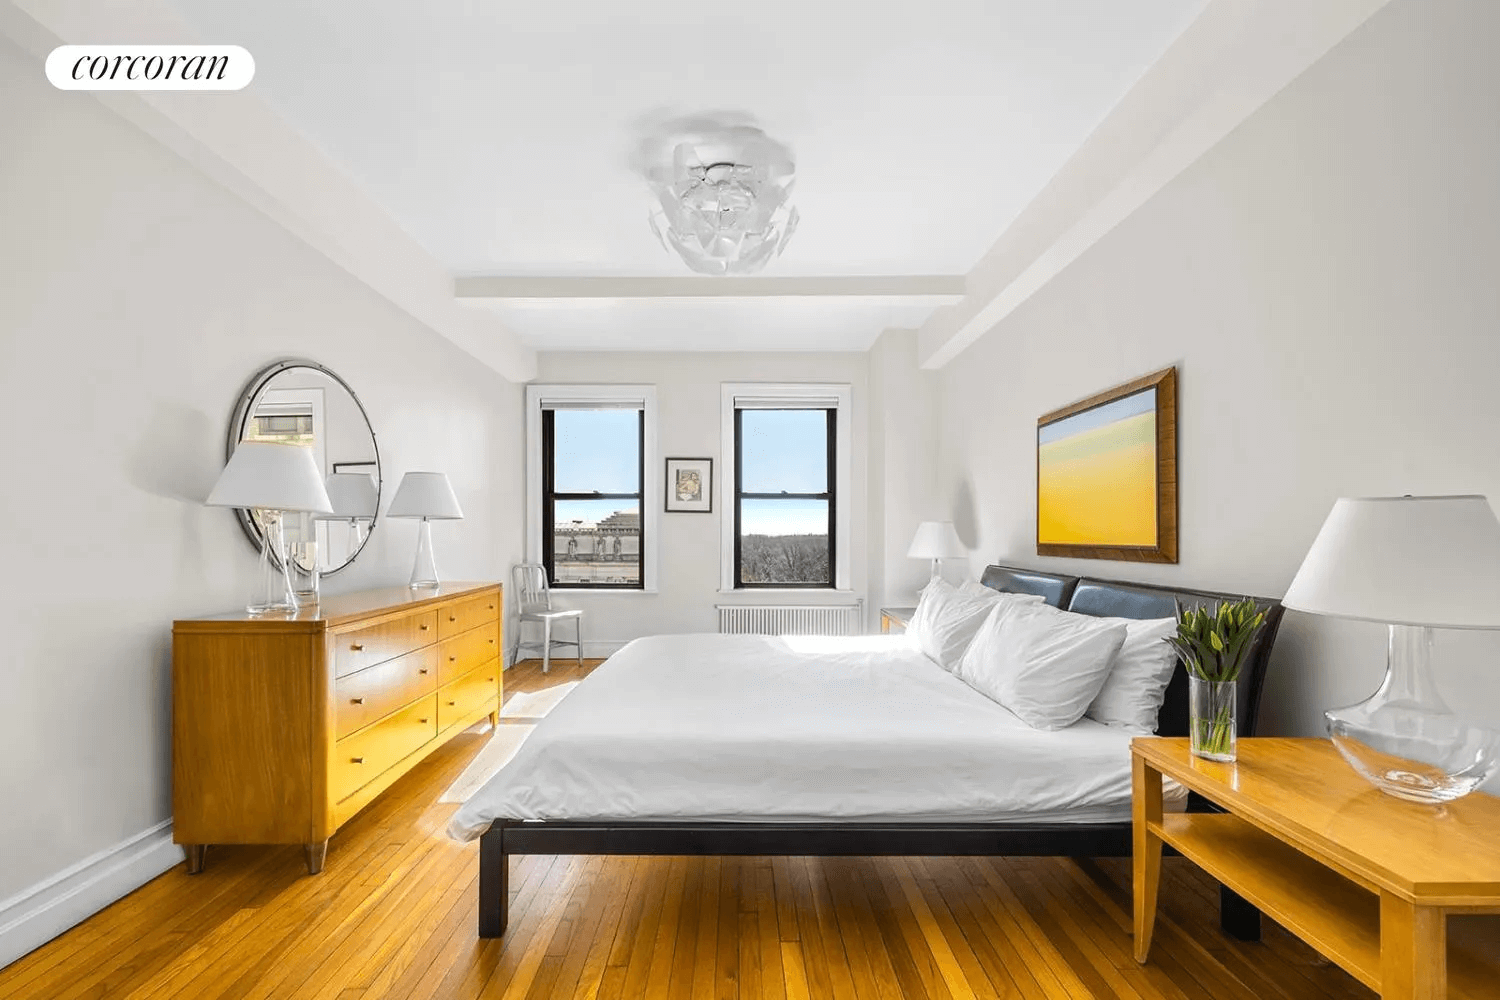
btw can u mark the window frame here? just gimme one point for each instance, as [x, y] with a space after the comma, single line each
[543, 397]
[830, 495]
[550, 498]
[836, 397]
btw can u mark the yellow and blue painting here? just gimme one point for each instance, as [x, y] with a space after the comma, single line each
[1096, 475]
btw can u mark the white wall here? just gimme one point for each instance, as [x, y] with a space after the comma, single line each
[1325, 279]
[903, 468]
[136, 297]
[688, 403]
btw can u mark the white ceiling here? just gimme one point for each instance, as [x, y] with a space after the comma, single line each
[498, 134]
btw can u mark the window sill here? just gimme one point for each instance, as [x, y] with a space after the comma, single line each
[601, 590]
[814, 591]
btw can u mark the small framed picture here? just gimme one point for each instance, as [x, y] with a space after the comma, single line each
[690, 485]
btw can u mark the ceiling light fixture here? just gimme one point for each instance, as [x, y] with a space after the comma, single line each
[722, 203]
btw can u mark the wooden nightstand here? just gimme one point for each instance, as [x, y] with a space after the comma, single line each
[895, 619]
[1366, 879]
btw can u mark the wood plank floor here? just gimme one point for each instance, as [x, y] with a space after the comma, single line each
[393, 915]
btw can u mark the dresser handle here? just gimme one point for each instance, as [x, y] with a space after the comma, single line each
[422, 721]
[452, 658]
[453, 703]
[422, 671]
[424, 628]
[492, 607]
[492, 642]
[357, 701]
[356, 760]
[357, 646]
[453, 618]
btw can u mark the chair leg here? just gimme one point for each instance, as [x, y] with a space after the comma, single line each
[546, 645]
[515, 649]
[578, 638]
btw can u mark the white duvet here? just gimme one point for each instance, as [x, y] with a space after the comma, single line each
[756, 728]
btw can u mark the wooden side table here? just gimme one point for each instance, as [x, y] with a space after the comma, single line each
[1366, 879]
[895, 619]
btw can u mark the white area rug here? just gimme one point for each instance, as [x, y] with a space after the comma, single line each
[535, 704]
[495, 755]
[507, 739]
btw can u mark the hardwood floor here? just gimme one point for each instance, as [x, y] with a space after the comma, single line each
[393, 915]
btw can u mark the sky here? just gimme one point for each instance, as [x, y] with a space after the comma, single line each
[1128, 406]
[784, 450]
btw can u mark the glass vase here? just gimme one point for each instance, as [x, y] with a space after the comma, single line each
[1404, 739]
[1211, 718]
[305, 574]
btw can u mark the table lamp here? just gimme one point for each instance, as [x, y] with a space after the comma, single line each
[354, 499]
[1414, 564]
[269, 478]
[936, 540]
[429, 496]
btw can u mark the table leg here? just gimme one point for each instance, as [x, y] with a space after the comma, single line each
[1145, 808]
[1413, 950]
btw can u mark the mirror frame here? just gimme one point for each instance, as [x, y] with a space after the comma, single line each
[248, 395]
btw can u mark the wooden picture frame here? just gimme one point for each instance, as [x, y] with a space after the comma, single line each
[690, 485]
[1090, 490]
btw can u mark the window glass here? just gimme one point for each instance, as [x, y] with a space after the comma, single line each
[783, 506]
[592, 506]
[784, 451]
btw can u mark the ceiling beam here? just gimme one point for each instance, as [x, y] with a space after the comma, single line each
[1230, 61]
[943, 288]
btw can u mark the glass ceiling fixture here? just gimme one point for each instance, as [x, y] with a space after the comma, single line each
[722, 203]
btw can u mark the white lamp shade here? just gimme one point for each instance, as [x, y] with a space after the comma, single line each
[425, 494]
[271, 476]
[353, 494]
[936, 540]
[1431, 561]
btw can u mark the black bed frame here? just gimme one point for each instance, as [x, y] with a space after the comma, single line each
[1084, 595]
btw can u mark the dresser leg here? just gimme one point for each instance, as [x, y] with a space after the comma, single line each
[316, 852]
[1413, 951]
[195, 853]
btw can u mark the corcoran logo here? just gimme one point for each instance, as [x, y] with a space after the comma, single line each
[149, 67]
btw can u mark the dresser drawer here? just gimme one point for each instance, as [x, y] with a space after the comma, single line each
[467, 695]
[368, 695]
[462, 653]
[368, 646]
[471, 612]
[360, 758]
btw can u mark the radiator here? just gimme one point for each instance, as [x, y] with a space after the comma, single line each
[766, 619]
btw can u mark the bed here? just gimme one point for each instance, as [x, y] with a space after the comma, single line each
[753, 745]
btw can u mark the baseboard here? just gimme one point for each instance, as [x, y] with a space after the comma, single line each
[35, 916]
[593, 649]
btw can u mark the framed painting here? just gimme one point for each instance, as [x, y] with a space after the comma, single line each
[1106, 474]
[690, 485]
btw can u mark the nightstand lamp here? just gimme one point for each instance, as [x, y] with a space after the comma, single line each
[936, 540]
[1414, 564]
[429, 496]
[269, 478]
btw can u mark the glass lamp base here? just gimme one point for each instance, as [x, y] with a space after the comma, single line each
[424, 573]
[1405, 740]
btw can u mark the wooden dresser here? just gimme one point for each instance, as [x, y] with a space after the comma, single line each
[283, 728]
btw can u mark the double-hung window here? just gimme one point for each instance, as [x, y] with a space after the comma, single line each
[591, 516]
[786, 525]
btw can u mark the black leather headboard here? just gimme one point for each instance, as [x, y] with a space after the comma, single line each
[1009, 580]
[1113, 599]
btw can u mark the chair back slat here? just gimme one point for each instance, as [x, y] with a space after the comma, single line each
[530, 581]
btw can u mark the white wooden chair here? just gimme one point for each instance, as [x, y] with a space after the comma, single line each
[534, 604]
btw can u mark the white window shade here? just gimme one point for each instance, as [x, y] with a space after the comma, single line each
[786, 402]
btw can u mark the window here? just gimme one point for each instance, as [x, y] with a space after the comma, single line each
[784, 526]
[590, 516]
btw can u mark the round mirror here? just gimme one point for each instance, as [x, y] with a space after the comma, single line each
[301, 402]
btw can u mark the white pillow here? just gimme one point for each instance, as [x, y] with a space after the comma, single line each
[1043, 664]
[946, 619]
[1137, 683]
